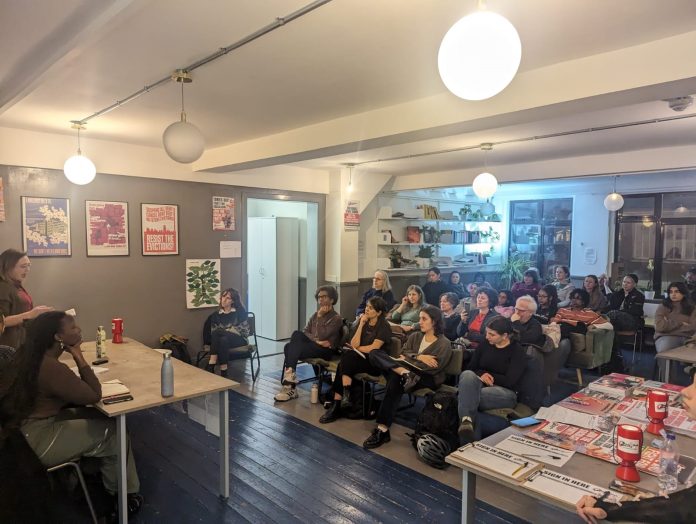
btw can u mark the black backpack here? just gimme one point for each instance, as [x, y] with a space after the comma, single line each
[439, 417]
[177, 345]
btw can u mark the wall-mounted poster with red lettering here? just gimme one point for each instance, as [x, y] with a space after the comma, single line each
[107, 228]
[160, 229]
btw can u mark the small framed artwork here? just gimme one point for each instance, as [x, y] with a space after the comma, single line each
[223, 214]
[46, 227]
[202, 283]
[160, 229]
[107, 228]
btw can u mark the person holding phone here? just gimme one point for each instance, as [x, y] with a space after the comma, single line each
[35, 390]
[473, 324]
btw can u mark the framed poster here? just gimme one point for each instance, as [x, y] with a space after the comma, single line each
[160, 229]
[202, 283]
[223, 214]
[107, 228]
[46, 227]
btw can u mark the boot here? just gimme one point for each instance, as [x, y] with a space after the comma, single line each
[334, 413]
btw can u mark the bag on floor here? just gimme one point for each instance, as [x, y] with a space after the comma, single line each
[177, 345]
[439, 417]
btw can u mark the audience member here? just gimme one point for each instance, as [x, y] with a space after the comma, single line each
[675, 321]
[604, 284]
[456, 285]
[563, 285]
[16, 304]
[37, 387]
[473, 324]
[626, 305]
[434, 287]
[690, 279]
[448, 304]
[381, 287]
[578, 317]
[427, 352]
[405, 317]
[478, 283]
[320, 339]
[506, 306]
[598, 301]
[528, 331]
[492, 376]
[529, 286]
[548, 303]
[372, 334]
[225, 329]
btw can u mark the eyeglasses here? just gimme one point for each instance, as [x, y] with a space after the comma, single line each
[521, 310]
[322, 296]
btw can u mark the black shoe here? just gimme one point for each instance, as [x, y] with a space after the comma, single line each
[334, 413]
[355, 413]
[466, 432]
[210, 368]
[223, 373]
[376, 439]
[409, 381]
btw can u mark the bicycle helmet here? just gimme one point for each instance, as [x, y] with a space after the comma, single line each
[432, 450]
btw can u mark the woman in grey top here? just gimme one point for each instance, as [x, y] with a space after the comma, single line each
[563, 285]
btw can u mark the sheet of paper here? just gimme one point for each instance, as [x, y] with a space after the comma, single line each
[113, 387]
[97, 370]
[230, 249]
[567, 416]
[535, 450]
[567, 489]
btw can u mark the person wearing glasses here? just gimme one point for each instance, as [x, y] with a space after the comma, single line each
[381, 287]
[526, 327]
[319, 339]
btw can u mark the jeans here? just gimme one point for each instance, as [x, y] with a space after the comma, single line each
[473, 395]
[676, 373]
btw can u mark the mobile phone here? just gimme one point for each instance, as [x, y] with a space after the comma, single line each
[100, 361]
[525, 422]
[116, 399]
[467, 306]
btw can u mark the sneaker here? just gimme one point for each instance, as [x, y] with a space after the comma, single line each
[289, 377]
[409, 381]
[287, 393]
[376, 439]
[466, 431]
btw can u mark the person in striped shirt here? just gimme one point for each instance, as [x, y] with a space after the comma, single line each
[577, 317]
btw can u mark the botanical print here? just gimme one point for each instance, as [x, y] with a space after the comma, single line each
[46, 227]
[202, 283]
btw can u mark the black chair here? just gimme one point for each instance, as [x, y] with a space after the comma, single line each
[324, 367]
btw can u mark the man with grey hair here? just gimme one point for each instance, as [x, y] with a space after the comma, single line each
[527, 328]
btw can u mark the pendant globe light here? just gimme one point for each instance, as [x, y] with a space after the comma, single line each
[614, 201]
[485, 184]
[78, 168]
[479, 55]
[183, 141]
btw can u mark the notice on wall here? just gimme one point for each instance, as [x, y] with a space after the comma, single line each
[160, 227]
[230, 249]
[2, 202]
[223, 214]
[590, 256]
[351, 215]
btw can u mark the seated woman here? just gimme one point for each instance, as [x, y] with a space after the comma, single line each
[529, 286]
[491, 378]
[372, 334]
[675, 321]
[319, 339]
[429, 351]
[506, 304]
[473, 324]
[626, 305]
[450, 317]
[578, 317]
[404, 318]
[678, 508]
[548, 303]
[456, 285]
[381, 287]
[563, 285]
[598, 300]
[36, 388]
[225, 329]
[478, 283]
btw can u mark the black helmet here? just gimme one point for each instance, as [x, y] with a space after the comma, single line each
[432, 450]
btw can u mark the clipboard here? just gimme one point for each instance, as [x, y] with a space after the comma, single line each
[497, 461]
[568, 490]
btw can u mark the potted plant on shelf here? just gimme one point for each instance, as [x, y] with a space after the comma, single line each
[477, 215]
[430, 234]
[490, 235]
[425, 256]
[395, 258]
[465, 212]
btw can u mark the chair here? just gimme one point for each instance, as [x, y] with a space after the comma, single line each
[242, 352]
[633, 338]
[81, 478]
[322, 366]
[552, 359]
[591, 350]
[453, 369]
[370, 382]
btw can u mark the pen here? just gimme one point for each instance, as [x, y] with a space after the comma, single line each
[522, 466]
[554, 457]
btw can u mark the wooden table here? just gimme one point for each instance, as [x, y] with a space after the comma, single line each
[686, 354]
[582, 467]
[138, 367]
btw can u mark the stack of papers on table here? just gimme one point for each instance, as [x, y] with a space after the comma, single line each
[113, 388]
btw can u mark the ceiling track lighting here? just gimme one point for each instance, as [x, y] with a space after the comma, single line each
[485, 184]
[479, 55]
[183, 141]
[614, 201]
[78, 168]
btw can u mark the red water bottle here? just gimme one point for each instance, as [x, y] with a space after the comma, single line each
[117, 330]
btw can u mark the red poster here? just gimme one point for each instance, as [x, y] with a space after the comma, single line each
[160, 226]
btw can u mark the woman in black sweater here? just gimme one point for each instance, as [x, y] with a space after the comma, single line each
[225, 329]
[547, 298]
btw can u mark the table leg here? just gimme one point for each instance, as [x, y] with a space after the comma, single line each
[468, 497]
[224, 446]
[122, 456]
[668, 364]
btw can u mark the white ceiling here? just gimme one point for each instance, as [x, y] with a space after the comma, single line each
[64, 60]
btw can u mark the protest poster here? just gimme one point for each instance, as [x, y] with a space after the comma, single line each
[160, 229]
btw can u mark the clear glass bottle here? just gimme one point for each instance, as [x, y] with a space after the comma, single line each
[669, 464]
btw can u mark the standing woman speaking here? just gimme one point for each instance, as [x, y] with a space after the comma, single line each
[16, 304]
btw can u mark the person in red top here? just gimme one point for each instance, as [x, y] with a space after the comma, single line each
[578, 317]
[473, 324]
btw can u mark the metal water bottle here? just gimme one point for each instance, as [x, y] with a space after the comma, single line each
[167, 375]
[314, 394]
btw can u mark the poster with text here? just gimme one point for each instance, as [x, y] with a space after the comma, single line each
[351, 215]
[202, 283]
[223, 214]
[107, 228]
[46, 227]
[160, 227]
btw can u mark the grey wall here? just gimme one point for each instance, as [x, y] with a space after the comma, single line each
[147, 292]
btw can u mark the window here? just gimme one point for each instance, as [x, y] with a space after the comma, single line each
[540, 230]
[656, 237]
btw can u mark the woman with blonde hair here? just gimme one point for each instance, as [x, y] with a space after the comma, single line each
[381, 287]
[407, 315]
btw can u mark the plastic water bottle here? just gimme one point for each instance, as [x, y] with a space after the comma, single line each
[669, 464]
[167, 375]
[314, 394]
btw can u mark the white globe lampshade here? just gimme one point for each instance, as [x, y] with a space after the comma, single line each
[183, 142]
[613, 202]
[485, 185]
[79, 170]
[479, 56]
